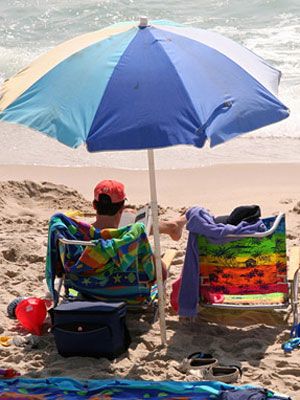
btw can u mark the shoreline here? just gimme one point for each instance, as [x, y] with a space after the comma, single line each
[24, 146]
[218, 185]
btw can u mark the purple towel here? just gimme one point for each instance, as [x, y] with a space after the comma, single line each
[201, 222]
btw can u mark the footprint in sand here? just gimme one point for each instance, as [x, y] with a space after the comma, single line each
[35, 258]
[282, 364]
[296, 208]
[11, 274]
[291, 236]
[10, 254]
[286, 201]
[290, 371]
[27, 213]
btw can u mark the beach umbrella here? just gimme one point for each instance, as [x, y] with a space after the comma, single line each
[144, 86]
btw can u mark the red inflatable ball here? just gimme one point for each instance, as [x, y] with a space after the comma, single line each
[31, 314]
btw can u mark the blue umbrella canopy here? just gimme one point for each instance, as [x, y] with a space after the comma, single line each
[154, 85]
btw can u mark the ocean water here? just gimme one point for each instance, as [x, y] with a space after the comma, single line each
[270, 28]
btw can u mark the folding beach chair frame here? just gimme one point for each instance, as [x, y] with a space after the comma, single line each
[292, 277]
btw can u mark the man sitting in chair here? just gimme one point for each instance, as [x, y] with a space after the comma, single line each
[115, 262]
[109, 204]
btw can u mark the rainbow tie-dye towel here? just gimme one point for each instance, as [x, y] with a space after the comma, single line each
[248, 271]
[118, 268]
[67, 389]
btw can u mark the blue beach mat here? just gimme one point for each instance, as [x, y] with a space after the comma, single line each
[67, 389]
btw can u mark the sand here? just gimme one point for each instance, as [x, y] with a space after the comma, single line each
[252, 340]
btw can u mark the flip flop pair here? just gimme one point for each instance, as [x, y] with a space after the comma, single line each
[228, 374]
[205, 366]
[198, 361]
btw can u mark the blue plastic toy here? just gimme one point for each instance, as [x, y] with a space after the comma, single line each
[291, 345]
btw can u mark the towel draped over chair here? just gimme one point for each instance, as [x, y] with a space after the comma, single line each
[119, 267]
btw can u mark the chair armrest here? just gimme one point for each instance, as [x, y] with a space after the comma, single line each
[77, 242]
[261, 234]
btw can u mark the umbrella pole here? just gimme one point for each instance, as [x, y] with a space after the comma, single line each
[157, 254]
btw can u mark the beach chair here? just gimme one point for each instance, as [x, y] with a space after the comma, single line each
[250, 272]
[79, 266]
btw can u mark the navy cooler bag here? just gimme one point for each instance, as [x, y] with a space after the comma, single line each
[90, 329]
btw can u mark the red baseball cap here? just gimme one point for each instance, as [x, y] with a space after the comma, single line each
[115, 190]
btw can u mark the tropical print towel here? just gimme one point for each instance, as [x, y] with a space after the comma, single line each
[119, 268]
[201, 222]
[246, 271]
[66, 389]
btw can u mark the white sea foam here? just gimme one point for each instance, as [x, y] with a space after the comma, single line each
[15, 58]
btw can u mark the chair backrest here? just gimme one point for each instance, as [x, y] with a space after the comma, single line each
[246, 271]
[117, 265]
[121, 277]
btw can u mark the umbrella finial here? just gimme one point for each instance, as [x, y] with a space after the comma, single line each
[143, 22]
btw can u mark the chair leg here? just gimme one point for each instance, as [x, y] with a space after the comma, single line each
[293, 277]
[156, 312]
[58, 283]
[295, 299]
